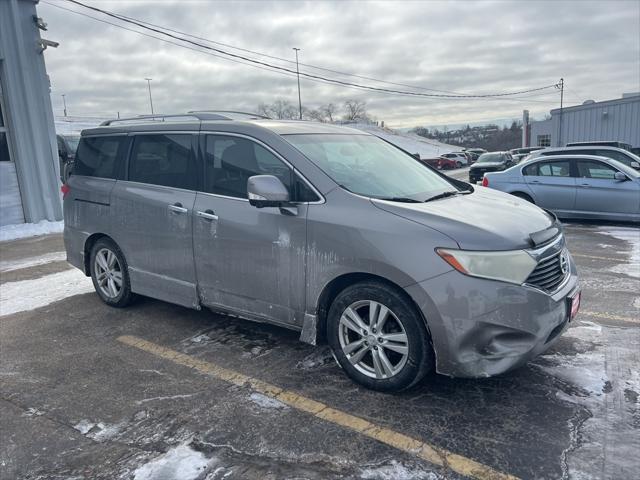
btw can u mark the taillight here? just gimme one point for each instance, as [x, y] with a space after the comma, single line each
[65, 189]
[485, 182]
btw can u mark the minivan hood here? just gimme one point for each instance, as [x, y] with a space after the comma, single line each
[483, 220]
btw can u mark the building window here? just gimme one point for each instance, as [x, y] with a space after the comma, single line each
[4, 141]
[544, 140]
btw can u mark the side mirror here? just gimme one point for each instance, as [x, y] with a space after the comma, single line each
[620, 177]
[266, 191]
[635, 165]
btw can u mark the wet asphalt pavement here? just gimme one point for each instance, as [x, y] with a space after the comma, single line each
[78, 402]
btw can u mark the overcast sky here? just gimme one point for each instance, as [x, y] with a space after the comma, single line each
[466, 47]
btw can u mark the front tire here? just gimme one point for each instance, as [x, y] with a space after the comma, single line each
[110, 274]
[378, 337]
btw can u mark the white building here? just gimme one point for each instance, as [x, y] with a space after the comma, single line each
[29, 185]
[611, 120]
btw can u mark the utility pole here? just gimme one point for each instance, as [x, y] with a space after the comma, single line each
[298, 72]
[150, 99]
[64, 102]
[561, 87]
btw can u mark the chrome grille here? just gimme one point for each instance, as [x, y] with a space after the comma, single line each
[550, 272]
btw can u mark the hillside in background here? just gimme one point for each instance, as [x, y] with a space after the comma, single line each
[490, 137]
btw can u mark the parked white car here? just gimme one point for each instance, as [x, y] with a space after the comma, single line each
[619, 154]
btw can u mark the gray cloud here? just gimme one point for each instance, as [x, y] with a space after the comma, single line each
[471, 47]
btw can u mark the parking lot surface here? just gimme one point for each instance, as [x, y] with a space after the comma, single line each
[157, 391]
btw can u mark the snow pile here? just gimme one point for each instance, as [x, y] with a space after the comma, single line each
[180, 462]
[75, 125]
[410, 142]
[24, 230]
[31, 294]
[631, 236]
[11, 265]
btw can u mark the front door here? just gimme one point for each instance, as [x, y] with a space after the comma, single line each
[552, 185]
[153, 215]
[249, 260]
[599, 192]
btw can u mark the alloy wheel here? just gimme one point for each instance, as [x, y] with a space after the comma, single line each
[373, 339]
[108, 273]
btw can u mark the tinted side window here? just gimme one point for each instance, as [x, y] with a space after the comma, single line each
[99, 156]
[621, 157]
[531, 170]
[554, 169]
[230, 161]
[166, 160]
[593, 169]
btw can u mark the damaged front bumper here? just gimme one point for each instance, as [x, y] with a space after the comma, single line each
[481, 328]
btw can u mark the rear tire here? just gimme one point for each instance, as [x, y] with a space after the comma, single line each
[110, 274]
[523, 196]
[459, 164]
[391, 354]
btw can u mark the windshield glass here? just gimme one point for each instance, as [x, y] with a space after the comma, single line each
[369, 166]
[490, 157]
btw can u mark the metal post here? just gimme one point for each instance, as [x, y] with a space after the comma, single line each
[298, 72]
[150, 99]
[64, 102]
[561, 105]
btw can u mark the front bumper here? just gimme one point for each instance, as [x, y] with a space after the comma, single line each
[481, 328]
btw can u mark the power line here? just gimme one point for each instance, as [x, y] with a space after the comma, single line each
[307, 75]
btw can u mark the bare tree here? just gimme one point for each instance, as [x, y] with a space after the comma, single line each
[355, 110]
[280, 109]
[328, 111]
[315, 115]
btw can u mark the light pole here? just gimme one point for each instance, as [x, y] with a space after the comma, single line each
[150, 99]
[298, 72]
[64, 102]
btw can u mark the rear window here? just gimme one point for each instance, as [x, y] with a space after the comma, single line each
[99, 156]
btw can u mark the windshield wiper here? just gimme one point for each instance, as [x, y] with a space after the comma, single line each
[450, 193]
[400, 199]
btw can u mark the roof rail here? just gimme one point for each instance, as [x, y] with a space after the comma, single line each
[160, 117]
[232, 113]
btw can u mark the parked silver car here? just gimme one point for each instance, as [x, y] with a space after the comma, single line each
[574, 186]
[619, 154]
[323, 229]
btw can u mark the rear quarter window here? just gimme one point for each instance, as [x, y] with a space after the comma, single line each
[99, 156]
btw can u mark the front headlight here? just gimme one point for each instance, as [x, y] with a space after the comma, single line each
[512, 266]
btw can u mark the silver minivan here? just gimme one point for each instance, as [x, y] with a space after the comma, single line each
[323, 229]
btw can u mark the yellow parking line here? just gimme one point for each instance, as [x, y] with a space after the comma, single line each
[609, 316]
[437, 456]
[619, 260]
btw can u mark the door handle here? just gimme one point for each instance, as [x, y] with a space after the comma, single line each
[585, 185]
[535, 181]
[177, 208]
[207, 215]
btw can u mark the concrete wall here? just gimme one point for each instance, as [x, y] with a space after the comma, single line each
[29, 116]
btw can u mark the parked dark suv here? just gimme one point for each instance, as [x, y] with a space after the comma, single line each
[490, 162]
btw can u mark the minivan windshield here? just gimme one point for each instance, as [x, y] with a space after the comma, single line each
[490, 157]
[369, 166]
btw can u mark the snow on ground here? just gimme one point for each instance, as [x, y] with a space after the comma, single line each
[631, 236]
[11, 265]
[266, 402]
[410, 142]
[24, 230]
[396, 471]
[180, 462]
[31, 294]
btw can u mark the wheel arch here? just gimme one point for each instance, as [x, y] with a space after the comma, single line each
[88, 245]
[524, 195]
[333, 288]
